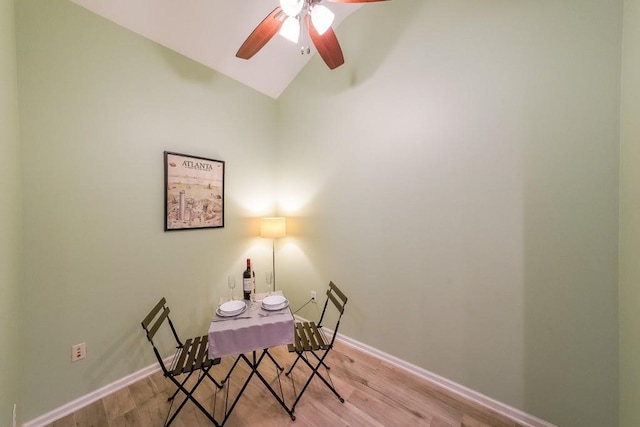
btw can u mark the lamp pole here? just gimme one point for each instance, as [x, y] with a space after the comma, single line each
[273, 227]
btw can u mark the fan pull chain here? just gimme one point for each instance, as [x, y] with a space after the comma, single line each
[305, 40]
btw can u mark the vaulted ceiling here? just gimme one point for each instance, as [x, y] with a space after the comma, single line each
[211, 31]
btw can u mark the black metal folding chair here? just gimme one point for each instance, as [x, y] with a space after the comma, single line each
[310, 338]
[189, 358]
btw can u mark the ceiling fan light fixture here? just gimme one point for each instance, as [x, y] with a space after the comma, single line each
[322, 18]
[291, 7]
[289, 19]
[290, 29]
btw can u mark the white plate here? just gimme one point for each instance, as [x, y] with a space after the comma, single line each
[273, 300]
[285, 304]
[231, 307]
[232, 314]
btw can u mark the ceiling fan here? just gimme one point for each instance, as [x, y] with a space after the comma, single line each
[289, 20]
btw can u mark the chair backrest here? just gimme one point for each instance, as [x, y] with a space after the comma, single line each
[338, 300]
[152, 323]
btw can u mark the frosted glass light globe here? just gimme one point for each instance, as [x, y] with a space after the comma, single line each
[290, 29]
[291, 7]
[322, 18]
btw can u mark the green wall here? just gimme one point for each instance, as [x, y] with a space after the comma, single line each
[98, 107]
[630, 219]
[10, 328]
[458, 176]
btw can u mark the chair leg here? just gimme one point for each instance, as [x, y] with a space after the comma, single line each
[331, 386]
[181, 386]
[294, 364]
[314, 372]
[321, 361]
[189, 396]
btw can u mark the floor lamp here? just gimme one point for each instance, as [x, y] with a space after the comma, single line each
[273, 228]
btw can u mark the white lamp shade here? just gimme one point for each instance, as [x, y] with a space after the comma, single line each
[291, 7]
[273, 227]
[290, 29]
[322, 18]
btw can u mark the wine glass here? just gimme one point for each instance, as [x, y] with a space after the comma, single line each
[231, 283]
[269, 279]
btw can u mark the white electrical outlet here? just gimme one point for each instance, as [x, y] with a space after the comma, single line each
[78, 352]
[314, 297]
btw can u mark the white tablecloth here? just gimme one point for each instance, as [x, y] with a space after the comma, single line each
[255, 329]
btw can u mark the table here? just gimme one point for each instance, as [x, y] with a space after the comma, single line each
[255, 330]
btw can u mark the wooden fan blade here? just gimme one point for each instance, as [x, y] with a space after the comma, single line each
[261, 35]
[355, 1]
[327, 45]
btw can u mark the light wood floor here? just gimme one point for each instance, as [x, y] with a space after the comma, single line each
[376, 394]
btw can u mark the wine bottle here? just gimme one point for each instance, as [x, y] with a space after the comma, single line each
[247, 282]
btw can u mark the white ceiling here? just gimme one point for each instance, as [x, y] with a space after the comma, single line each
[211, 31]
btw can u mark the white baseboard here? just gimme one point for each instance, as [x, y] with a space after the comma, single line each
[87, 399]
[517, 415]
[462, 391]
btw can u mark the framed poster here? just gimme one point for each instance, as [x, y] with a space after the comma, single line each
[193, 192]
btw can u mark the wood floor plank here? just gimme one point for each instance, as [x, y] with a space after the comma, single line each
[376, 394]
[145, 389]
[372, 378]
[153, 413]
[388, 413]
[439, 422]
[130, 418]
[92, 415]
[119, 403]
[447, 399]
